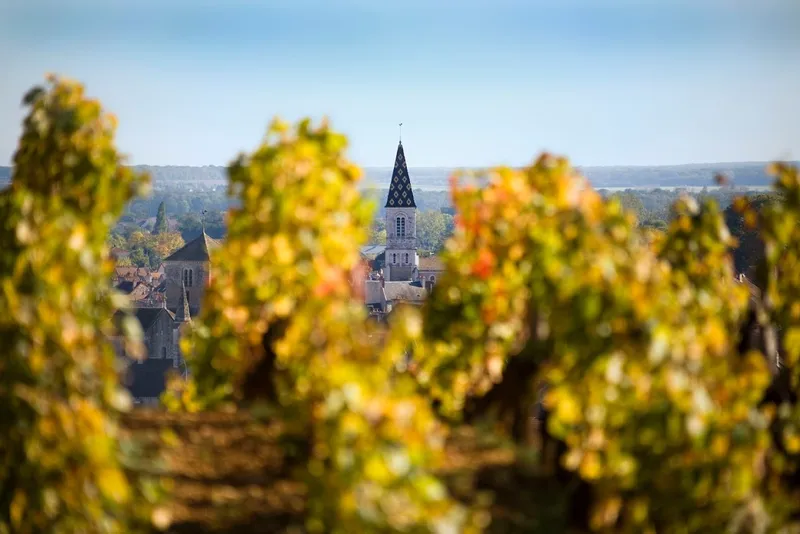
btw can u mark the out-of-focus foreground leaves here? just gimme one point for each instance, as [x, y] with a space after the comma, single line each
[652, 398]
[281, 325]
[667, 385]
[59, 389]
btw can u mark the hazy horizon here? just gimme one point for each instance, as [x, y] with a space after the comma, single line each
[476, 84]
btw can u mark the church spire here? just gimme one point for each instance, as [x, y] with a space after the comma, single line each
[400, 193]
[183, 315]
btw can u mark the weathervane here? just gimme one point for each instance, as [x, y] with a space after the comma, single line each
[203, 220]
[401, 132]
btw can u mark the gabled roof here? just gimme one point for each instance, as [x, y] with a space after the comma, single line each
[372, 251]
[400, 193]
[146, 316]
[198, 249]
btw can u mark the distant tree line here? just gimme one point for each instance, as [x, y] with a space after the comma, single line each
[190, 207]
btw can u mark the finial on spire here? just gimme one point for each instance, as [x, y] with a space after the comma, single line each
[203, 220]
[401, 133]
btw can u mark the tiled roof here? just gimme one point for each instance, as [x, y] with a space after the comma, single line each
[430, 263]
[400, 192]
[195, 250]
[403, 291]
[140, 292]
[125, 271]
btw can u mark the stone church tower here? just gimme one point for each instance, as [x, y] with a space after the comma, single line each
[188, 273]
[401, 223]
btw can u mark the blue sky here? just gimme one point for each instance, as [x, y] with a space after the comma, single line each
[474, 82]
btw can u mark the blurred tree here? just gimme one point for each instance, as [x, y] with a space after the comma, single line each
[215, 223]
[116, 240]
[630, 202]
[636, 338]
[190, 226]
[138, 239]
[377, 235]
[148, 249]
[167, 243]
[59, 392]
[432, 229]
[139, 257]
[161, 220]
[655, 224]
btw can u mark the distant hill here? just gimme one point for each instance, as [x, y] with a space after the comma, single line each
[179, 173]
[436, 178]
[695, 175]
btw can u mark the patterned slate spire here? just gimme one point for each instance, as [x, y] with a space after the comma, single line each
[400, 193]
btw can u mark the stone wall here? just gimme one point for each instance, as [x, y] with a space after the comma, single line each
[159, 338]
[391, 226]
[174, 275]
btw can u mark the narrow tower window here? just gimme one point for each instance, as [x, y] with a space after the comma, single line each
[188, 277]
[406, 258]
[400, 226]
[394, 258]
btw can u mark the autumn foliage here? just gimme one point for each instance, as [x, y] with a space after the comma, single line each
[59, 392]
[667, 385]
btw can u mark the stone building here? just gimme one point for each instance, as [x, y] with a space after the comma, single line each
[145, 378]
[381, 297]
[429, 268]
[188, 272]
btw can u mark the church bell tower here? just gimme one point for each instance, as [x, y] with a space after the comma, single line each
[401, 223]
